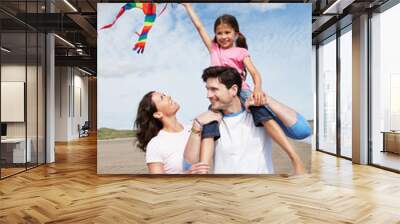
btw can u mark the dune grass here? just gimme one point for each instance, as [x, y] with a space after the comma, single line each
[109, 133]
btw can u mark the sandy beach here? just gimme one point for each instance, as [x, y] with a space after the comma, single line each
[121, 156]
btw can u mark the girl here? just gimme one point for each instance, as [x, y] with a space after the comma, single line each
[229, 48]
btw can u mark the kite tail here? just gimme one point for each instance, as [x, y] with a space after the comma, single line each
[121, 11]
[148, 24]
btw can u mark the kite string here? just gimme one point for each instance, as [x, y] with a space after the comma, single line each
[162, 11]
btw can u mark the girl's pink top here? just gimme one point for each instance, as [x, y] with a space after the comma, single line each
[232, 57]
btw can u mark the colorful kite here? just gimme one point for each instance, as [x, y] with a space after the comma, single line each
[149, 9]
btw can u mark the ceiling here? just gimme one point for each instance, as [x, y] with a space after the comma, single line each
[75, 21]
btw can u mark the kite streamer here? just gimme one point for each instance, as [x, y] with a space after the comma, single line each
[149, 10]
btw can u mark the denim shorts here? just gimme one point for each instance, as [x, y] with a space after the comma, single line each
[211, 130]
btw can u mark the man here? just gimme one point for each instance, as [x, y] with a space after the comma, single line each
[242, 148]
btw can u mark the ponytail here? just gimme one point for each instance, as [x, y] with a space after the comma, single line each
[241, 41]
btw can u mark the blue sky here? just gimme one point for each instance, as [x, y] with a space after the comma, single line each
[278, 36]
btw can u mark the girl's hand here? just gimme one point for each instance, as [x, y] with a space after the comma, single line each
[186, 4]
[259, 97]
[249, 102]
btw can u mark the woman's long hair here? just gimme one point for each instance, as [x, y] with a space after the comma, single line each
[147, 126]
[231, 21]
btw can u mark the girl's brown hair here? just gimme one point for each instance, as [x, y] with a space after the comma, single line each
[231, 21]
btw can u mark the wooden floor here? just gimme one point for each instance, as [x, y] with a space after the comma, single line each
[70, 191]
[387, 159]
[10, 171]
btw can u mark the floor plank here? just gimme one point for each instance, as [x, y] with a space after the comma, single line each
[70, 191]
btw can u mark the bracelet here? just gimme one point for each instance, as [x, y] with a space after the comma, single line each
[194, 131]
[198, 122]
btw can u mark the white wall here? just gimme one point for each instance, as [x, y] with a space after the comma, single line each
[61, 103]
[33, 125]
[71, 87]
[17, 73]
[14, 73]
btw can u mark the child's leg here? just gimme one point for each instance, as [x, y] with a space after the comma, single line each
[263, 117]
[276, 133]
[293, 124]
[243, 95]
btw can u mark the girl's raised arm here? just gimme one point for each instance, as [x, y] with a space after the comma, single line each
[199, 26]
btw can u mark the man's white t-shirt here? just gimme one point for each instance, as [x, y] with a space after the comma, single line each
[168, 148]
[242, 148]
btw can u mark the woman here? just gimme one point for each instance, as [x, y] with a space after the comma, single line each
[164, 138]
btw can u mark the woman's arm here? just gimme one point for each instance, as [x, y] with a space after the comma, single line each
[198, 149]
[156, 168]
[199, 26]
[207, 151]
[255, 75]
[192, 148]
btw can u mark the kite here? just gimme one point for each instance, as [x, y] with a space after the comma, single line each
[149, 10]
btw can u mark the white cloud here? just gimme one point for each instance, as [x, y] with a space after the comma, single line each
[172, 62]
[239, 9]
[175, 56]
[263, 7]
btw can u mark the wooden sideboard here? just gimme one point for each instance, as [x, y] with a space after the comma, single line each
[391, 141]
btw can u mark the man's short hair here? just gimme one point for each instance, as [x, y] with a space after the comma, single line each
[226, 75]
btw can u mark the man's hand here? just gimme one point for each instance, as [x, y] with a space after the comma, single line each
[198, 168]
